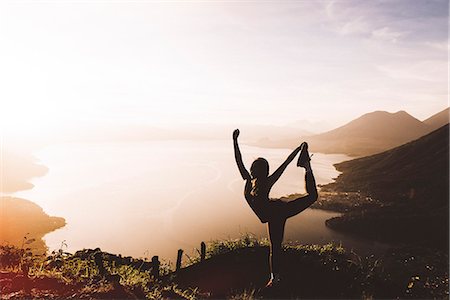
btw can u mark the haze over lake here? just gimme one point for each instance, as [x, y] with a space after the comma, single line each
[152, 198]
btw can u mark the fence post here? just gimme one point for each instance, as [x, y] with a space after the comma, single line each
[98, 259]
[202, 251]
[180, 254]
[155, 266]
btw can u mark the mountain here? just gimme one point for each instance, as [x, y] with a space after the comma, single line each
[371, 133]
[438, 120]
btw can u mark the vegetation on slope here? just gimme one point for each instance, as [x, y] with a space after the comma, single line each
[20, 217]
[233, 269]
[86, 274]
[400, 195]
[416, 172]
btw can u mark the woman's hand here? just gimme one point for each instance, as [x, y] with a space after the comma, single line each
[301, 146]
[235, 134]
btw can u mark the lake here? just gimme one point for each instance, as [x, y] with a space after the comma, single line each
[153, 198]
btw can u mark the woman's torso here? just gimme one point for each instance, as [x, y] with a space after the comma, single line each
[257, 195]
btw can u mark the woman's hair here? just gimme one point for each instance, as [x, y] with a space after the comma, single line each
[259, 168]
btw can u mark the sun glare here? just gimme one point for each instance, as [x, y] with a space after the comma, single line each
[29, 118]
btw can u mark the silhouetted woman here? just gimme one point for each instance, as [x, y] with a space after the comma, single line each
[275, 212]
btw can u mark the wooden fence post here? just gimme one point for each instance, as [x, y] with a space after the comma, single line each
[202, 251]
[155, 266]
[180, 254]
[98, 259]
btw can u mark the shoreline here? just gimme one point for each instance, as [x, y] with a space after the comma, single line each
[23, 222]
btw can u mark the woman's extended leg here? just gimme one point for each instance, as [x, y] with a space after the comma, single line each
[276, 233]
[298, 205]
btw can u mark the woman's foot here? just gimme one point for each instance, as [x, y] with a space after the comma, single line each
[303, 159]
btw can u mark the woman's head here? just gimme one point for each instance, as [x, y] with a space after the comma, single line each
[260, 168]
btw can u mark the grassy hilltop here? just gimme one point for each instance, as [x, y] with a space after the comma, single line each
[233, 269]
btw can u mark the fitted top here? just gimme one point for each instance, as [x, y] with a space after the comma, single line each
[257, 196]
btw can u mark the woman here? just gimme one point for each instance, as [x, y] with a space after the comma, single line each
[274, 212]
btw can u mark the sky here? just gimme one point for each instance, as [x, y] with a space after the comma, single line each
[69, 64]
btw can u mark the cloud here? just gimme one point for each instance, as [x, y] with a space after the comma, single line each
[388, 21]
[426, 70]
[388, 34]
[443, 46]
[355, 26]
[329, 10]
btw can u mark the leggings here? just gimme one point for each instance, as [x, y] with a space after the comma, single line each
[280, 211]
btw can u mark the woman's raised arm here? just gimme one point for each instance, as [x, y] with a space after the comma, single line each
[276, 175]
[237, 155]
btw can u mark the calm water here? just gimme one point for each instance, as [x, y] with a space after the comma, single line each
[152, 198]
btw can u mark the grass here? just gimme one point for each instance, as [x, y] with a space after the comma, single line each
[318, 271]
[218, 247]
[80, 275]
[239, 266]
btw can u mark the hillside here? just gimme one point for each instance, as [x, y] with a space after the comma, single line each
[438, 120]
[22, 221]
[409, 185]
[417, 171]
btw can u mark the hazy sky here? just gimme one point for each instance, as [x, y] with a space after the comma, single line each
[65, 63]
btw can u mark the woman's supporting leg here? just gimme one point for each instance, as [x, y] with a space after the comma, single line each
[276, 233]
[298, 205]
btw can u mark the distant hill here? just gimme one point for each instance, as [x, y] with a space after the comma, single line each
[438, 120]
[269, 135]
[17, 170]
[371, 133]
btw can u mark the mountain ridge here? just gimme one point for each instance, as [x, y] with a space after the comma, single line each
[438, 120]
[371, 133]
